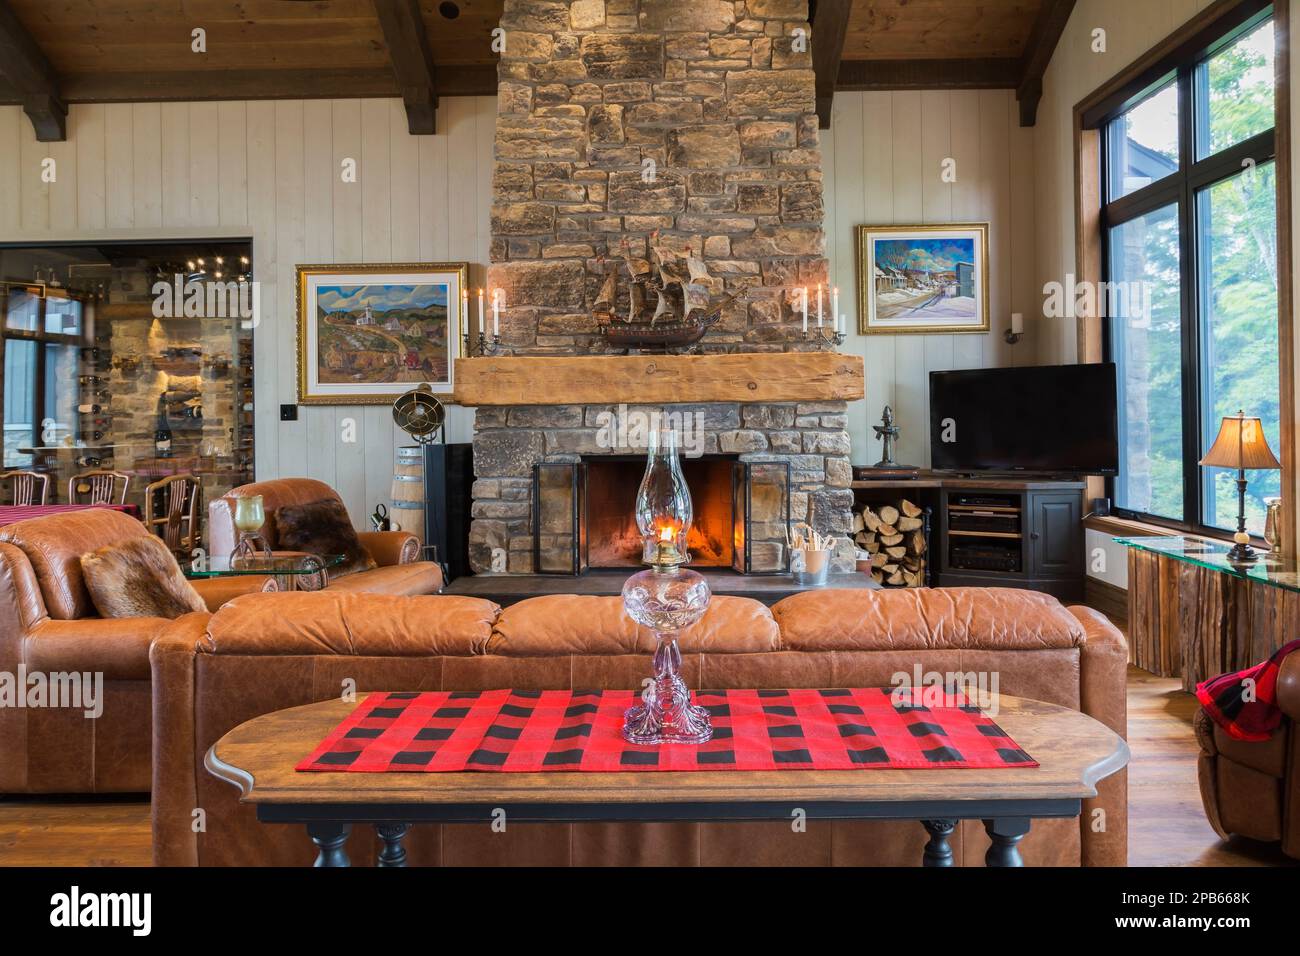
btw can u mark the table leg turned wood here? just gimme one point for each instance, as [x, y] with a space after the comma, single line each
[392, 834]
[1006, 834]
[937, 851]
[329, 839]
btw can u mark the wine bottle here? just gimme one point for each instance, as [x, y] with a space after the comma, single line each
[89, 409]
[162, 436]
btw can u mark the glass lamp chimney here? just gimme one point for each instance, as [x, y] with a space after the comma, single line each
[663, 503]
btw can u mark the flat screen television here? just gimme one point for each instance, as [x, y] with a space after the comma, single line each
[1050, 419]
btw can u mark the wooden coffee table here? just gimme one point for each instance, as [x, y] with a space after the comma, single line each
[1073, 750]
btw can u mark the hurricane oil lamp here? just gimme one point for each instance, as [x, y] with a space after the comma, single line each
[665, 598]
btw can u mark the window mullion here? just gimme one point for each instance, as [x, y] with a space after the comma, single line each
[1189, 271]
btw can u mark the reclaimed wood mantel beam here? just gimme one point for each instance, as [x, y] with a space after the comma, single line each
[31, 78]
[659, 379]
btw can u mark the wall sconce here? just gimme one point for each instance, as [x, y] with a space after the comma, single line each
[1017, 330]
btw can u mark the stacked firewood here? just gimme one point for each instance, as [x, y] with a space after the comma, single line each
[891, 542]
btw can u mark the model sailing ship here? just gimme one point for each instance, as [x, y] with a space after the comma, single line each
[683, 308]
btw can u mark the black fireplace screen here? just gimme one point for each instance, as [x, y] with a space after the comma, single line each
[583, 514]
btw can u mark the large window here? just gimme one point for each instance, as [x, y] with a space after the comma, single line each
[42, 336]
[1190, 232]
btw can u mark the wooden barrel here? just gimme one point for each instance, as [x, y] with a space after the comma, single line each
[407, 513]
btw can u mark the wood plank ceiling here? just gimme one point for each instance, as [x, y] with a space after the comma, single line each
[55, 52]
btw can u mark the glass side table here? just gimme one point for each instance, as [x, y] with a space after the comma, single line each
[1269, 569]
[1194, 614]
[293, 571]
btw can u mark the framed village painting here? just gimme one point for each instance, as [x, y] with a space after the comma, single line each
[368, 333]
[923, 278]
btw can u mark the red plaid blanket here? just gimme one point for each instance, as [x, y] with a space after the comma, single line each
[1245, 703]
[555, 730]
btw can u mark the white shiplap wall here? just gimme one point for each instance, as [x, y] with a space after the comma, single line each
[270, 170]
[883, 159]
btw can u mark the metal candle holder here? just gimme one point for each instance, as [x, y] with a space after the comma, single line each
[482, 346]
[823, 340]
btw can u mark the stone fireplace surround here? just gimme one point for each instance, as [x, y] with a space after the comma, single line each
[510, 441]
[717, 99]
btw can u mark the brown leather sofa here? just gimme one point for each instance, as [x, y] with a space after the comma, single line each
[1249, 788]
[397, 553]
[262, 653]
[48, 624]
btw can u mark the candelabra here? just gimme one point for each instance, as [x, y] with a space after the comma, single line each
[824, 340]
[481, 346]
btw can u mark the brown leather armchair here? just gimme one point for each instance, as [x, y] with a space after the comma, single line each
[397, 553]
[263, 653]
[48, 624]
[1250, 788]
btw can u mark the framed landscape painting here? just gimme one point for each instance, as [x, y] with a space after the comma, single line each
[368, 333]
[914, 279]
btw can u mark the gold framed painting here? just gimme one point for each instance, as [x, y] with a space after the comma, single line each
[923, 279]
[368, 333]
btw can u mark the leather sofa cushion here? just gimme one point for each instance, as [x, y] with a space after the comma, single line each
[420, 577]
[54, 545]
[340, 622]
[585, 624]
[1005, 619]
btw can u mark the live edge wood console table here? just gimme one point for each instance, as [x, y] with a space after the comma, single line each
[1073, 750]
[1193, 614]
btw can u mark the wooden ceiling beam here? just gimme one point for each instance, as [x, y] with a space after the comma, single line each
[208, 85]
[34, 83]
[408, 48]
[1047, 31]
[990, 73]
[830, 26]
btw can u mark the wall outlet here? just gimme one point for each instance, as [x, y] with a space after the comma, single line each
[288, 413]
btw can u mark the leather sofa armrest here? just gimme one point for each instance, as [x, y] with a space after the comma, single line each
[171, 664]
[391, 547]
[1288, 686]
[217, 591]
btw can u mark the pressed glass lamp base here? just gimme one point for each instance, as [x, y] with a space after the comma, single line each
[666, 714]
[666, 600]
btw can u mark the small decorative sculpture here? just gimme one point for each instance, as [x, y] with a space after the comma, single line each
[888, 433]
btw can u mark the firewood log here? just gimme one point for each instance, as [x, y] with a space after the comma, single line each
[888, 514]
[895, 578]
[889, 540]
[917, 544]
[886, 529]
[878, 577]
[896, 552]
[912, 579]
[870, 519]
[909, 509]
[858, 523]
[879, 559]
[908, 524]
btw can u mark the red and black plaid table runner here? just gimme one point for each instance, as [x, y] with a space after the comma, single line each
[559, 730]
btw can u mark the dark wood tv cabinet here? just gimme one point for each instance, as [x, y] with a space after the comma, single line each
[991, 531]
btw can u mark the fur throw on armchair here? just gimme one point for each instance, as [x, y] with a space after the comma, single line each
[321, 528]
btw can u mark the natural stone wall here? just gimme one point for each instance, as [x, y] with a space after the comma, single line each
[510, 442]
[617, 118]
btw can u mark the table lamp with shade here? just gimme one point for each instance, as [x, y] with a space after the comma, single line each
[1241, 445]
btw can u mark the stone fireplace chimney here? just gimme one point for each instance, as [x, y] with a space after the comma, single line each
[618, 119]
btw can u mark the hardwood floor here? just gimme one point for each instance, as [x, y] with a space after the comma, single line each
[1166, 824]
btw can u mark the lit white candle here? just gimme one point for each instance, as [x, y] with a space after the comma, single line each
[835, 300]
[804, 299]
[496, 312]
[819, 305]
[1017, 323]
[480, 312]
[464, 311]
